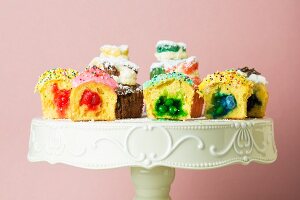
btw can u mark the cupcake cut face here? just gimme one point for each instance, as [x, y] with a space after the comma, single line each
[222, 104]
[61, 100]
[253, 101]
[169, 106]
[54, 87]
[91, 99]
[256, 104]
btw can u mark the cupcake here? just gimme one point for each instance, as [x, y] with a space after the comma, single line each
[124, 72]
[172, 57]
[257, 102]
[55, 87]
[169, 96]
[93, 96]
[188, 66]
[226, 95]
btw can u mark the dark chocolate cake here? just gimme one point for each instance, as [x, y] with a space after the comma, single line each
[129, 102]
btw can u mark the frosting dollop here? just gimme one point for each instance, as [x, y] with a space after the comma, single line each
[252, 75]
[126, 70]
[94, 74]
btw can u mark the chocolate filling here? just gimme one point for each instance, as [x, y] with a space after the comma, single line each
[252, 101]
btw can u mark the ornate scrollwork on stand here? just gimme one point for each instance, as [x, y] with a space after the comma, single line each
[152, 157]
[242, 142]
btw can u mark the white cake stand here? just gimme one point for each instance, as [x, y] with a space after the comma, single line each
[153, 149]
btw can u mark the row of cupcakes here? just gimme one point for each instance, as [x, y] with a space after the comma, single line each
[107, 89]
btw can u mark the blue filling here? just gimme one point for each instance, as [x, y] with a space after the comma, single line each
[222, 104]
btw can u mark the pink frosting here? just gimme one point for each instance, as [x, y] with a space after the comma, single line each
[96, 75]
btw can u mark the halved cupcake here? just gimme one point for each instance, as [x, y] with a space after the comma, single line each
[169, 96]
[55, 87]
[93, 96]
[188, 67]
[257, 102]
[226, 95]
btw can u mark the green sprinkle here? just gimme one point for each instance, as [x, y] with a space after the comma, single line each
[161, 78]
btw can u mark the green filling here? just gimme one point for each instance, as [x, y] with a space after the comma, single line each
[167, 47]
[222, 104]
[252, 101]
[157, 71]
[172, 107]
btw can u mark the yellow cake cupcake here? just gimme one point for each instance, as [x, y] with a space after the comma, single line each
[172, 57]
[54, 87]
[93, 96]
[169, 96]
[225, 95]
[257, 102]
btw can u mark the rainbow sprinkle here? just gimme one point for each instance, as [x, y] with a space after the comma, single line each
[161, 78]
[55, 74]
[229, 77]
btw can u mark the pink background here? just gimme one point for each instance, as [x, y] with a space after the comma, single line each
[37, 35]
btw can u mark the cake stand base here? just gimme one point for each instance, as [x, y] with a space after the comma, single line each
[152, 184]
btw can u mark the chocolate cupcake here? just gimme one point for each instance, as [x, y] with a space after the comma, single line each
[129, 102]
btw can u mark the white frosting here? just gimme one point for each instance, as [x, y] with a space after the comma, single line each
[122, 47]
[254, 77]
[114, 51]
[128, 70]
[127, 76]
[117, 62]
[241, 73]
[168, 64]
[169, 55]
[258, 79]
[171, 43]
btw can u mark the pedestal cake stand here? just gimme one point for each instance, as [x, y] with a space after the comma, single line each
[153, 149]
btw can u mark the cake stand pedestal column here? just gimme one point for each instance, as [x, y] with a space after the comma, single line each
[152, 184]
